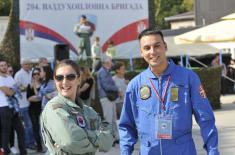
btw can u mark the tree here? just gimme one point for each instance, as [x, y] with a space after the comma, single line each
[166, 8]
[9, 47]
[5, 6]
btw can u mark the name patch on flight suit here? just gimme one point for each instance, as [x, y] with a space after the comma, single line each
[174, 94]
[145, 92]
[81, 121]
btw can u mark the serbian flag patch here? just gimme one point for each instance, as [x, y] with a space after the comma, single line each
[202, 92]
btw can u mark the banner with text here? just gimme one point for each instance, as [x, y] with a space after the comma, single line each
[45, 23]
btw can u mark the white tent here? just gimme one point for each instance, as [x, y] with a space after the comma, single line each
[222, 31]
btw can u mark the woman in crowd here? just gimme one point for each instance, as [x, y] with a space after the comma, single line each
[87, 82]
[47, 89]
[35, 105]
[121, 83]
[68, 126]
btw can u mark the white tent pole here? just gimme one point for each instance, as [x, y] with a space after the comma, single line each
[192, 58]
[131, 64]
[181, 60]
[220, 56]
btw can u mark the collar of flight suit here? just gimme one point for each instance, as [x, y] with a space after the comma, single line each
[168, 71]
[78, 104]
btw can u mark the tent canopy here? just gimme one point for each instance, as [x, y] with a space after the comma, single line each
[222, 31]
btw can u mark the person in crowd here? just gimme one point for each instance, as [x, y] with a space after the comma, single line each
[43, 62]
[231, 74]
[96, 54]
[23, 78]
[7, 116]
[216, 62]
[159, 104]
[121, 83]
[35, 106]
[68, 125]
[84, 31]
[111, 50]
[13, 149]
[105, 85]
[16, 123]
[47, 90]
[87, 82]
[10, 70]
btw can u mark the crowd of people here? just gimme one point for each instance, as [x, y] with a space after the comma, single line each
[34, 85]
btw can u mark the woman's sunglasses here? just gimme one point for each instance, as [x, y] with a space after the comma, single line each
[69, 77]
[36, 73]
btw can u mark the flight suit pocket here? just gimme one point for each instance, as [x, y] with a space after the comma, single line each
[145, 116]
[183, 97]
[182, 107]
[144, 109]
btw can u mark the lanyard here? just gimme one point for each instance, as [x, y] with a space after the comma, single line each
[161, 99]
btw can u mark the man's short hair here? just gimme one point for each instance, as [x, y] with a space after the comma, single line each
[105, 59]
[41, 59]
[1, 60]
[25, 61]
[151, 31]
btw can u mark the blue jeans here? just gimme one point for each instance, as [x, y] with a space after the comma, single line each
[28, 128]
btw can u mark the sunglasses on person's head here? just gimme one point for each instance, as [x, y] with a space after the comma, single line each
[69, 77]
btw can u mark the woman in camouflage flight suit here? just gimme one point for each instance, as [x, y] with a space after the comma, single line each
[68, 126]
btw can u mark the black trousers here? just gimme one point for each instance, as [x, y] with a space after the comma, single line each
[18, 127]
[6, 115]
[34, 114]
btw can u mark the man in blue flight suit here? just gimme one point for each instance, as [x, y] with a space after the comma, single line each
[159, 103]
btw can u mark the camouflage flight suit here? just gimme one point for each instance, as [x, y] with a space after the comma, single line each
[71, 129]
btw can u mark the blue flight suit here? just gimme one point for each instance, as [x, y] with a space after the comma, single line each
[139, 115]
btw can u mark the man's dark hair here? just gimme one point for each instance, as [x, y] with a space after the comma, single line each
[151, 31]
[1, 59]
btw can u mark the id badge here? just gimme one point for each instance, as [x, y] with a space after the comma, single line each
[164, 127]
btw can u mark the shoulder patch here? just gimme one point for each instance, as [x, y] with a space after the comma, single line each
[57, 105]
[202, 92]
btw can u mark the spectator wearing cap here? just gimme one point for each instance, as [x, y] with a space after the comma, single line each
[23, 78]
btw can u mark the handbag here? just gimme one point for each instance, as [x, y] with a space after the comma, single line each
[112, 95]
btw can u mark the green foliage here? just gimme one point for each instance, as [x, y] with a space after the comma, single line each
[9, 47]
[210, 78]
[5, 7]
[187, 5]
[166, 8]
[212, 87]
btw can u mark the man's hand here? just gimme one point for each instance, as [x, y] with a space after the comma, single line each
[7, 91]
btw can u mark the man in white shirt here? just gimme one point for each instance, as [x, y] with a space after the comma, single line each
[23, 78]
[6, 114]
